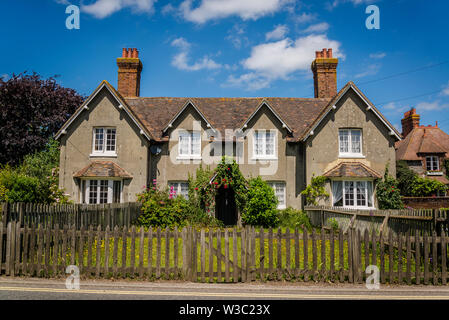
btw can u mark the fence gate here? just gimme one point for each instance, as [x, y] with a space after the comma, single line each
[219, 256]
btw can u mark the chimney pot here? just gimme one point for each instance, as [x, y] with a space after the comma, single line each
[410, 121]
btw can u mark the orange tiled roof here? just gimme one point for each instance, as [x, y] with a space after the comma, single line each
[102, 169]
[352, 169]
[422, 140]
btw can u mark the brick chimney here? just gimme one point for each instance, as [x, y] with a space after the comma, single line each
[129, 68]
[324, 69]
[409, 122]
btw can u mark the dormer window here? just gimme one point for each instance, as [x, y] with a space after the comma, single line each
[104, 142]
[432, 163]
[350, 142]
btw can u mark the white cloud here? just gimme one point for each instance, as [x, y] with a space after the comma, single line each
[445, 91]
[305, 17]
[431, 106]
[236, 36]
[181, 59]
[103, 8]
[279, 60]
[218, 9]
[317, 28]
[4, 77]
[278, 33]
[336, 3]
[378, 55]
[369, 70]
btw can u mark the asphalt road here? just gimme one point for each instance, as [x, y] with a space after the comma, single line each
[44, 289]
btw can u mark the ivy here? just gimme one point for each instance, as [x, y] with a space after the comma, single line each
[388, 193]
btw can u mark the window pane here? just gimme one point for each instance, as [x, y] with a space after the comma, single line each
[361, 193]
[183, 144]
[103, 191]
[116, 192]
[344, 141]
[355, 141]
[269, 144]
[184, 190]
[258, 146]
[93, 189]
[196, 143]
[99, 139]
[349, 193]
[110, 140]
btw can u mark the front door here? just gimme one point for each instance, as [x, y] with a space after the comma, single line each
[225, 207]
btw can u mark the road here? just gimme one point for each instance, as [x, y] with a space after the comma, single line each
[45, 289]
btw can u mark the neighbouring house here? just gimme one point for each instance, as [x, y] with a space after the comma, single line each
[117, 142]
[424, 148]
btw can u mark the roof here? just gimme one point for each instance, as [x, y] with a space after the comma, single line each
[352, 170]
[102, 169]
[441, 179]
[422, 139]
[227, 113]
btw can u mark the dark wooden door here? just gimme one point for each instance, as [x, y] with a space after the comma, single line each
[225, 206]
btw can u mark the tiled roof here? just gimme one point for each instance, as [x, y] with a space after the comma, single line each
[422, 140]
[102, 169]
[352, 169]
[227, 113]
[441, 179]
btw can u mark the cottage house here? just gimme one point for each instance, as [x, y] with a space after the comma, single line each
[117, 142]
[424, 148]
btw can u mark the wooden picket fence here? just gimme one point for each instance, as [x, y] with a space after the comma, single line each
[110, 214]
[222, 255]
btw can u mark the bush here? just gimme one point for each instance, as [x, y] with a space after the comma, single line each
[422, 187]
[17, 187]
[405, 178]
[333, 223]
[388, 193]
[260, 209]
[293, 218]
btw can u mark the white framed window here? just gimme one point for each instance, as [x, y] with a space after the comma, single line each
[264, 145]
[432, 163]
[189, 145]
[101, 191]
[104, 142]
[353, 194]
[279, 191]
[350, 142]
[179, 188]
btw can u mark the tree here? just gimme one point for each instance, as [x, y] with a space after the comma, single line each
[406, 177]
[388, 193]
[31, 111]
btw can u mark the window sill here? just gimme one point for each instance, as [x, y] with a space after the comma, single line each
[351, 156]
[103, 155]
[264, 158]
[188, 158]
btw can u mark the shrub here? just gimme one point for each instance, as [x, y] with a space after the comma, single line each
[388, 193]
[260, 209]
[405, 178]
[17, 187]
[422, 187]
[294, 218]
[315, 190]
[333, 223]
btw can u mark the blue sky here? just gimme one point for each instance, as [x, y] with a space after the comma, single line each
[233, 48]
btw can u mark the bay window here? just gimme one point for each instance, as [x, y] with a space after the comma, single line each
[352, 193]
[101, 191]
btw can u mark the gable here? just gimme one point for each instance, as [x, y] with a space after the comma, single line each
[362, 101]
[103, 89]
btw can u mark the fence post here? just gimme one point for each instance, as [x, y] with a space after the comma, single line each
[5, 213]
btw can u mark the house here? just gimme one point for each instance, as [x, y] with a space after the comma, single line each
[424, 148]
[117, 142]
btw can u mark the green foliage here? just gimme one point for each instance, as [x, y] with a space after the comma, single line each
[228, 175]
[446, 167]
[35, 180]
[315, 190]
[161, 209]
[261, 205]
[405, 177]
[294, 218]
[388, 193]
[424, 187]
[333, 223]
